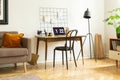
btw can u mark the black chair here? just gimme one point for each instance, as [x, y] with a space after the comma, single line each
[69, 46]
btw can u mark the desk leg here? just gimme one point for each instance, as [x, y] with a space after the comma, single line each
[46, 43]
[70, 52]
[37, 46]
[82, 50]
[117, 63]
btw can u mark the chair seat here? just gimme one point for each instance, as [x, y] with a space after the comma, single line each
[63, 48]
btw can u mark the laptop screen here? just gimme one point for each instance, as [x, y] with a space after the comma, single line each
[58, 30]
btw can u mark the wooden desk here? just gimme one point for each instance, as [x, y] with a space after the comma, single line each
[47, 39]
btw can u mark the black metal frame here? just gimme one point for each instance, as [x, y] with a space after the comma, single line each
[5, 13]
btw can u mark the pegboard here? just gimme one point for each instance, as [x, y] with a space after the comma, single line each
[52, 17]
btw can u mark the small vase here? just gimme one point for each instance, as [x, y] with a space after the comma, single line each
[39, 32]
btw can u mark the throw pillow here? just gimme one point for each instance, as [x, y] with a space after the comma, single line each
[12, 40]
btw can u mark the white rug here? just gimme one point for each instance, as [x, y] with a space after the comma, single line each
[24, 77]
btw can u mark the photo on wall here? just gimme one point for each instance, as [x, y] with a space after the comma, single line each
[3, 11]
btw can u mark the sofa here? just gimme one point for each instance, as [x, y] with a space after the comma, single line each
[15, 55]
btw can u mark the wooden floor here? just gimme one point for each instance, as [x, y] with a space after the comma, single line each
[103, 69]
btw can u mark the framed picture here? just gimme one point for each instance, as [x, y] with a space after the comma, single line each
[58, 30]
[3, 12]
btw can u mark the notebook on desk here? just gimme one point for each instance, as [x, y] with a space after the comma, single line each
[59, 31]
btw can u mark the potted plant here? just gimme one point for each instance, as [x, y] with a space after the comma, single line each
[114, 20]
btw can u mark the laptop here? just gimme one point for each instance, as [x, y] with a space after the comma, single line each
[59, 31]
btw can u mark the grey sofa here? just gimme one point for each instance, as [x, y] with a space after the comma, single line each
[15, 55]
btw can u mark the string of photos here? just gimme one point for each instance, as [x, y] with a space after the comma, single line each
[52, 17]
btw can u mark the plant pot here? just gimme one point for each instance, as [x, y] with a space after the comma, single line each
[118, 32]
[118, 35]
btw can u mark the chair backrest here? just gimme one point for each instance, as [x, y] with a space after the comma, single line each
[71, 33]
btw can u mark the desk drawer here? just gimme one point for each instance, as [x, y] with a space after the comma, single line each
[114, 55]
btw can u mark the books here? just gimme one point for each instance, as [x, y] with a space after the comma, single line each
[116, 45]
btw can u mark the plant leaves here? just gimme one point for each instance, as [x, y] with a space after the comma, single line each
[106, 19]
[112, 17]
[110, 23]
[118, 30]
[118, 22]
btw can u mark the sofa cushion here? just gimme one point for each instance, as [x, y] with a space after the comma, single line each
[2, 34]
[12, 40]
[13, 52]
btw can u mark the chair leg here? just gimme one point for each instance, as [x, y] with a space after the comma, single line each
[24, 65]
[70, 55]
[15, 64]
[54, 58]
[74, 58]
[66, 60]
[62, 57]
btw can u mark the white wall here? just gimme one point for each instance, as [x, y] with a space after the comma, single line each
[110, 31]
[24, 17]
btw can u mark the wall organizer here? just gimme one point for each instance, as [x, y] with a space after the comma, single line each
[53, 17]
